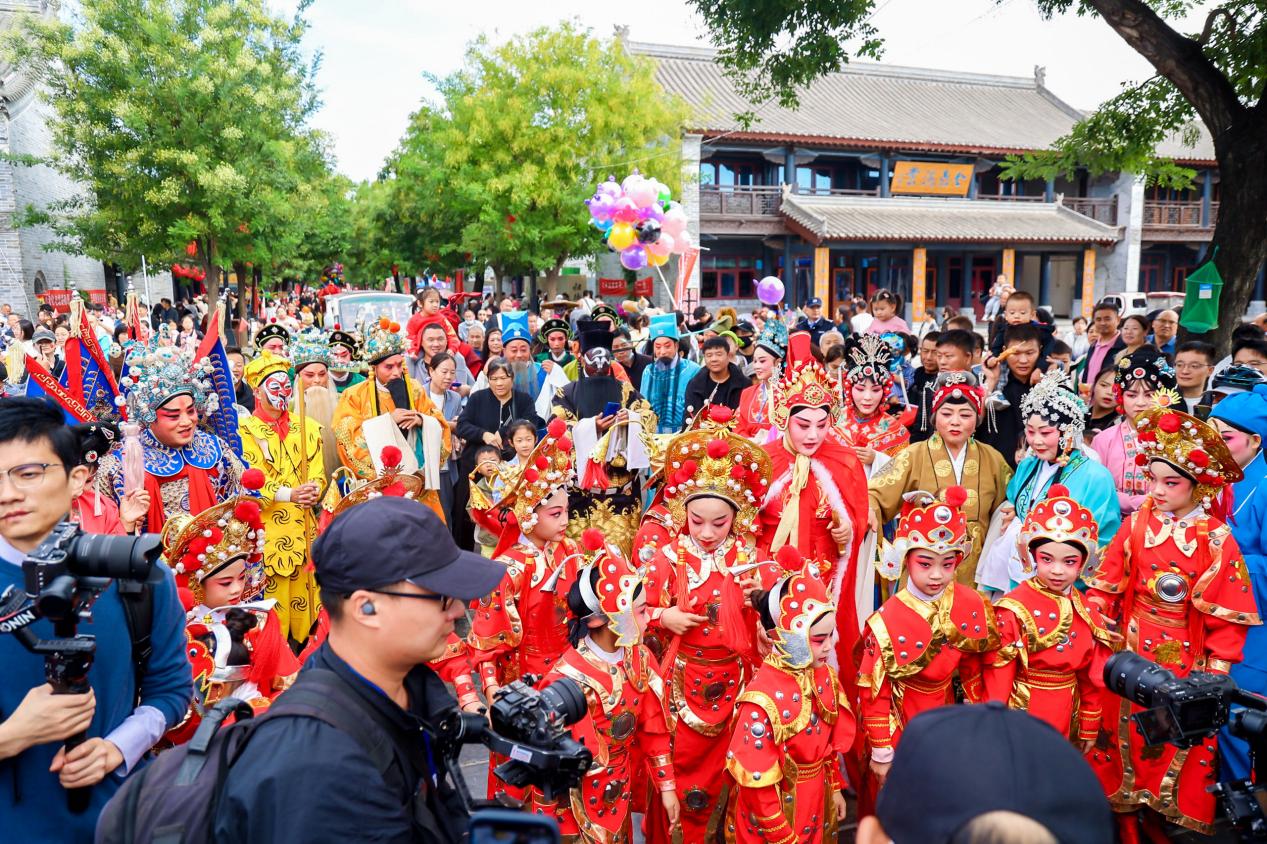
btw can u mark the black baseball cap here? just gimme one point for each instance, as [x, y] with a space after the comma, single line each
[390, 539]
[958, 762]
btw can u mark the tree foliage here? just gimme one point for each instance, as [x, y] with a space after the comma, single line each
[496, 171]
[1217, 76]
[183, 120]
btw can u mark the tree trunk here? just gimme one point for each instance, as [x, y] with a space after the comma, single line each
[208, 249]
[1240, 236]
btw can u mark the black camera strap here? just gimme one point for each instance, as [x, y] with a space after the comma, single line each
[137, 599]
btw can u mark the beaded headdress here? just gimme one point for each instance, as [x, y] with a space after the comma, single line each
[199, 546]
[616, 587]
[269, 332]
[958, 384]
[1058, 406]
[714, 462]
[547, 469]
[1059, 518]
[308, 349]
[1191, 446]
[804, 385]
[158, 374]
[869, 357]
[382, 340]
[1148, 365]
[773, 338]
[390, 482]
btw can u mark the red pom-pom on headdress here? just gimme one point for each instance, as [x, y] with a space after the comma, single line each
[1058, 491]
[956, 496]
[718, 449]
[1141, 459]
[1199, 458]
[247, 511]
[391, 456]
[557, 427]
[1170, 423]
[720, 413]
[542, 462]
[396, 490]
[565, 443]
[789, 559]
[689, 467]
[592, 539]
[531, 475]
[739, 472]
[253, 479]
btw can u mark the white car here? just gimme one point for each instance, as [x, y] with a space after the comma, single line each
[351, 311]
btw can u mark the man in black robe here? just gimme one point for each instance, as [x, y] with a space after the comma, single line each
[607, 494]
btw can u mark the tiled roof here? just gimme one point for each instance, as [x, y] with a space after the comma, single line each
[921, 220]
[869, 104]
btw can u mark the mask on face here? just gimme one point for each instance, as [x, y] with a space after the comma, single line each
[277, 390]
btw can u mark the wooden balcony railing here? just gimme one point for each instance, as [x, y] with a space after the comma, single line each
[1172, 214]
[740, 201]
[1100, 209]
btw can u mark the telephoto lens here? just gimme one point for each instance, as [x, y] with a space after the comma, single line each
[1135, 678]
[564, 699]
[118, 557]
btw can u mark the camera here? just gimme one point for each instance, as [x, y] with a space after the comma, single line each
[529, 727]
[62, 579]
[1183, 711]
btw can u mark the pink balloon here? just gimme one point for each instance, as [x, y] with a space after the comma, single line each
[681, 243]
[643, 194]
[625, 211]
[634, 258]
[631, 181]
[651, 212]
[674, 222]
[663, 246]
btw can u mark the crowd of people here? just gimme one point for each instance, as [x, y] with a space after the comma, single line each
[771, 548]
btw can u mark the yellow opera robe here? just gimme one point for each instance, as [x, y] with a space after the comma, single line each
[926, 466]
[289, 529]
[367, 400]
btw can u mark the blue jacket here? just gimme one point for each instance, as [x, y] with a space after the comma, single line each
[1249, 505]
[31, 799]
[666, 391]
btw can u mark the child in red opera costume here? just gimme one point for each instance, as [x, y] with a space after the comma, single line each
[1053, 646]
[695, 588]
[521, 628]
[626, 721]
[924, 635]
[235, 643]
[1174, 584]
[793, 724]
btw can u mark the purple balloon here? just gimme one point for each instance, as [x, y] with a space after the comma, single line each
[770, 290]
[601, 207]
[634, 257]
[651, 212]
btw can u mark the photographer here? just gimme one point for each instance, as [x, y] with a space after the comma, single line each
[391, 609]
[40, 476]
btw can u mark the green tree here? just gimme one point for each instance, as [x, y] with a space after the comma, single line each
[1218, 76]
[497, 172]
[183, 120]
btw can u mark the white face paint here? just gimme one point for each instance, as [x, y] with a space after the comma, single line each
[277, 390]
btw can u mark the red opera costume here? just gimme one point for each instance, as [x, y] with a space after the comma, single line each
[705, 667]
[239, 649]
[521, 628]
[626, 724]
[869, 358]
[811, 493]
[1177, 587]
[791, 729]
[1052, 646]
[915, 644]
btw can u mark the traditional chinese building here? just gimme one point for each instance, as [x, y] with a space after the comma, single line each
[893, 177]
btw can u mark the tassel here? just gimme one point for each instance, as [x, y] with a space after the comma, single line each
[271, 657]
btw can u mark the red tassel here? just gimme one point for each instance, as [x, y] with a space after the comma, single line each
[271, 656]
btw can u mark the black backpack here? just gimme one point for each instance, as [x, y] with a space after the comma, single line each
[174, 799]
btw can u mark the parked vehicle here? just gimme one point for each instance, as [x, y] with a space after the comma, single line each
[351, 311]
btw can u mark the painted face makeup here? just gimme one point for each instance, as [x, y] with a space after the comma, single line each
[277, 390]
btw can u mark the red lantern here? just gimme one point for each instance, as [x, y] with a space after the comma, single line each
[191, 249]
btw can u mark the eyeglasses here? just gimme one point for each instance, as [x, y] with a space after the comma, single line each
[1191, 366]
[28, 475]
[446, 601]
[620, 349]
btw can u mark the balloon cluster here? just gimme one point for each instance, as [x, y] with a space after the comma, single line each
[639, 220]
[332, 274]
[191, 273]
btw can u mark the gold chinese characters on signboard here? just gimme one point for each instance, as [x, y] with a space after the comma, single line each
[931, 178]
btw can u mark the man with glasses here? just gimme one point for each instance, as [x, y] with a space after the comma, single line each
[1194, 361]
[41, 473]
[633, 362]
[391, 610]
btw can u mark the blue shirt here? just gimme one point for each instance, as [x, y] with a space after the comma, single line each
[665, 390]
[31, 798]
[1249, 515]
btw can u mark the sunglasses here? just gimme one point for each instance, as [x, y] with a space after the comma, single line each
[445, 601]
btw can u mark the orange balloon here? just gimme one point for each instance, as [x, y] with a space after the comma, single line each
[656, 260]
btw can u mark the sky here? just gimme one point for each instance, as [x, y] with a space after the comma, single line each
[375, 52]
